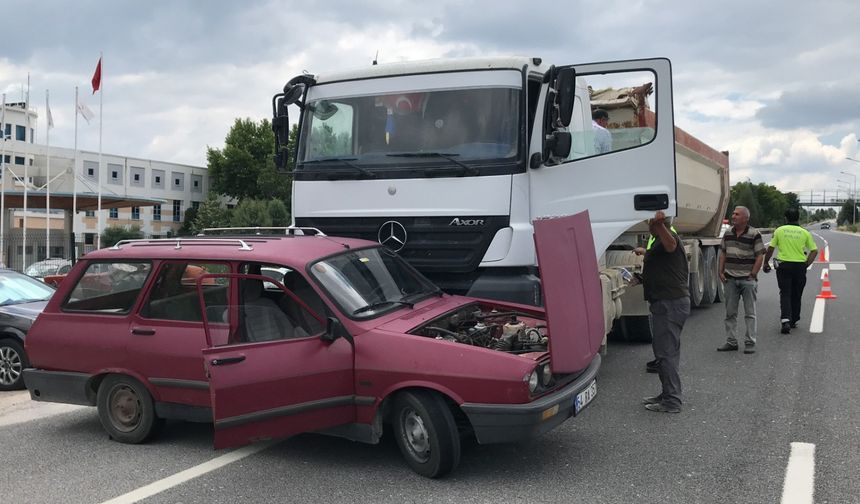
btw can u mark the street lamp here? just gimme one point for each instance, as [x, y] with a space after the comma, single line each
[853, 192]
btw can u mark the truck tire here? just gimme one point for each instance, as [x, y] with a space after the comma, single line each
[697, 278]
[711, 279]
[637, 329]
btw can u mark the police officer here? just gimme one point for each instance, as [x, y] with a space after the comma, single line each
[797, 251]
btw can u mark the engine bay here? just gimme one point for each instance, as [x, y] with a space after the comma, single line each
[476, 325]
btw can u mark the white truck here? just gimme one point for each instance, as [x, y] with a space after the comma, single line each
[449, 162]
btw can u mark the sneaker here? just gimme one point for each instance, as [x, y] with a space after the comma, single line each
[748, 349]
[652, 366]
[657, 399]
[727, 348]
[662, 408]
[786, 328]
[793, 325]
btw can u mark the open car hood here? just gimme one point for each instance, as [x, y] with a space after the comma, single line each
[571, 290]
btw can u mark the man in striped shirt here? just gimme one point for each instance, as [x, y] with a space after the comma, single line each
[740, 262]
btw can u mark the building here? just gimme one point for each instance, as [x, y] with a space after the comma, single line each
[152, 195]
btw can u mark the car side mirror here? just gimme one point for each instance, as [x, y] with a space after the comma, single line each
[334, 330]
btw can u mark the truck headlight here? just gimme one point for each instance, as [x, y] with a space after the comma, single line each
[533, 381]
[546, 375]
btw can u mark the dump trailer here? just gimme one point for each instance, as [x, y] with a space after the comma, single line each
[449, 162]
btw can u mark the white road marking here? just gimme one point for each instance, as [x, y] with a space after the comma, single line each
[799, 484]
[189, 474]
[816, 324]
[838, 267]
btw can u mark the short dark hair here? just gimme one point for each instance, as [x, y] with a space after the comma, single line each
[792, 215]
[599, 114]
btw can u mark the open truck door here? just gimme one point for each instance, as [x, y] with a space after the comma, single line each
[621, 171]
[268, 378]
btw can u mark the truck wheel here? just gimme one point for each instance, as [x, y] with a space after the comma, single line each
[426, 433]
[126, 410]
[697, 278]
[710, 275]
[13, 361]
[636, 328]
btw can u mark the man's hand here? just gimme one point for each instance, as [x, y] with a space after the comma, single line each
[723, 276]
[766, 268]
[639, 251]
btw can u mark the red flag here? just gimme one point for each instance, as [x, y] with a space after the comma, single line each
[97, 77]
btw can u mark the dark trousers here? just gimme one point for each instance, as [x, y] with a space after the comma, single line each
[791, 278]
[667, 321]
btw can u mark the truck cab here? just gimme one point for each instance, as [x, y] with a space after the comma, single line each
[449, 162]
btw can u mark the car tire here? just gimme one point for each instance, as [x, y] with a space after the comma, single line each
[126, 410]
[13, 362]
[426, 433]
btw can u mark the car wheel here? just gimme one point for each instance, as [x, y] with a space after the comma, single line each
[13, 361]
[426, 433]
[126, 410]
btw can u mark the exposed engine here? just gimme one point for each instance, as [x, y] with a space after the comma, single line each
[508, 331]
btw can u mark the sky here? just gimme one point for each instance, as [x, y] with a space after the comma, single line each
[775, 83]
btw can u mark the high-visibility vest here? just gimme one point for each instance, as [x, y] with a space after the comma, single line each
[653, 238]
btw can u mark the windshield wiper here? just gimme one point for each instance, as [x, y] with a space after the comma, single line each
[344, 161]
[373, 306]
[470, 170]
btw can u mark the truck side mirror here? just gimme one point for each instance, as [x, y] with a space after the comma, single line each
[558, 145]
[281, 128]
[565, 86]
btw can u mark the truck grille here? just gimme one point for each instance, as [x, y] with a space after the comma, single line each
[433, 244]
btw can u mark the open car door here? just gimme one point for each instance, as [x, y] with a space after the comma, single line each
[621, 172]
[267, 377]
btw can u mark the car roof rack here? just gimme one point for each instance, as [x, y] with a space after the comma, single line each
[177, 242]
[256, 230]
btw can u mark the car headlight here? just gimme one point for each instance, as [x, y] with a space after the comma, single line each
[546, 375]
[533, 381]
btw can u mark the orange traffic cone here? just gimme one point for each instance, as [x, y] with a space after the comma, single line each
[826, 293]
[821, 255]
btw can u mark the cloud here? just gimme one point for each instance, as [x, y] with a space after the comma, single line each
[826, 105]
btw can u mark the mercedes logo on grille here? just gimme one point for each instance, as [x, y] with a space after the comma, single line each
[392, 234]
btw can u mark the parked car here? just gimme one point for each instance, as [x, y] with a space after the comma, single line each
[48, 267]
[351, 341]
[21, 299]
[825, 225]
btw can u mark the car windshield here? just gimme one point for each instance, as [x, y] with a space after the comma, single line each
[368, 282]
[16, 288]
[472, 125]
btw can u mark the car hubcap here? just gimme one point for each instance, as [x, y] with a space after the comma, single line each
[125, 408]
[10, 366]
[416, 436]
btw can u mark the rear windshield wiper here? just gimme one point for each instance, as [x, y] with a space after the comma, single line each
[373, 306]
[470, 170]
[344, 161]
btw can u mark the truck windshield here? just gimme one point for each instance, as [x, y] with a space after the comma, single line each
[474, 125]
[368, 282]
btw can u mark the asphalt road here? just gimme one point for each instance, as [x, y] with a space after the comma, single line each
[730, 444]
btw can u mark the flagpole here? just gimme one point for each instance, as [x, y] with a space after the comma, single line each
[3, 184]
[101, 101]
[75, 180]
[26, 174]
[49, 122]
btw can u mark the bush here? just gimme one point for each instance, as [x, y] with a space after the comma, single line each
[114, 234]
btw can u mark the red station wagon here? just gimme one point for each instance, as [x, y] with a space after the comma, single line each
[271, 336]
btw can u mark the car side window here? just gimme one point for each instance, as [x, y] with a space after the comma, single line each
[108, 287]
[296, 284]
[173, 295]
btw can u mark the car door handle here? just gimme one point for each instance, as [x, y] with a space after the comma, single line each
[650, 201]
[227, 360]
[142, 332]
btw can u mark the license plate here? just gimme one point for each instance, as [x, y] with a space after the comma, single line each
[584, 397]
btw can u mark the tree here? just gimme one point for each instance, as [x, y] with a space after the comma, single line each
[279, 213]
[846, 213]
[114, 234]
[251, 213]
[188, 225]
[244, 168]
[211, 214]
